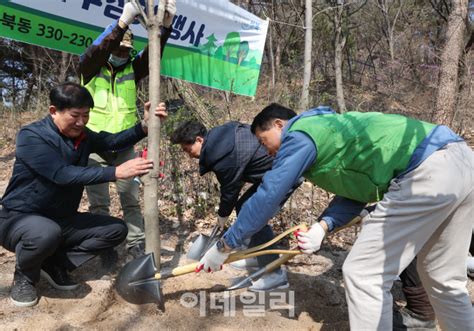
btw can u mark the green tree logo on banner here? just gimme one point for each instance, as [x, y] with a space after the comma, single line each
[243, 51]
[231, 45]
[210, 47]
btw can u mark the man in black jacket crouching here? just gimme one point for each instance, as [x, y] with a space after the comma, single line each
[39, 220]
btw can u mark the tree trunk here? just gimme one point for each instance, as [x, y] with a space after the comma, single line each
[463, 117]
[339, 43]
[277, 40]
[308, 42]
[278, 51]
[388, 29]
[450, 57]
[272, 57]
[192, 99]
[150, 212]
[38, 70]
[64, 65]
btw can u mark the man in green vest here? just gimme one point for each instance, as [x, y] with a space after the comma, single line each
[421, 175]
[111, 75]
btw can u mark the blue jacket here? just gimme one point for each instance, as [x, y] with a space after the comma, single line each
[50, 170]
[296, 154]
[97, 54]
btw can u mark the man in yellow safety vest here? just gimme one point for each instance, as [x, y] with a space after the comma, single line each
[111, 75]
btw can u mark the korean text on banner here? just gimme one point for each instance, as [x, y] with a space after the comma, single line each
[213, 43]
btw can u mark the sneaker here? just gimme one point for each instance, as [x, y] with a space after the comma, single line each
[277, 279]
[58, 278]
[23, 292]
[470, 266]
[136, 251]
[250, 264]
[109, 259]
[405, 319]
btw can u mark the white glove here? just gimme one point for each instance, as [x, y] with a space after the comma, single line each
[130, 11]
[222, 221]
[170, 11]
[310, 242]
[212, 260]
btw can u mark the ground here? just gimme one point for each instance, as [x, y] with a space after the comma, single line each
[315, 300]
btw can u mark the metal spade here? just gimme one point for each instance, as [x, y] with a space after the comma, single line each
[202, 244]
[139, 282]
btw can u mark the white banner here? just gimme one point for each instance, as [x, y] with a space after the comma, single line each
[213, 42]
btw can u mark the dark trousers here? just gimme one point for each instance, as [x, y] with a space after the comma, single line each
[67, 242]
[415, 294]
[471, 248]
[266, 233]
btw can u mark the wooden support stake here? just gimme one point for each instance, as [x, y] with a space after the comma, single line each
[152, 224]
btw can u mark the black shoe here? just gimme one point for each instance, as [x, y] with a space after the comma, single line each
[136, 251]
[405, 319]
[109, 259]
[23, 292]
[58, 278]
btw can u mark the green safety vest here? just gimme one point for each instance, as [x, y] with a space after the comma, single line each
[114, 101]
[358, 154]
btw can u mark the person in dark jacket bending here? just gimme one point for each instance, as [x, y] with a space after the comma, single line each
[236, 157]
[39, 220]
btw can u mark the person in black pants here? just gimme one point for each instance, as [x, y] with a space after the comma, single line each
[236, 157]
[418, 313]
[39, 220]
[470, 259]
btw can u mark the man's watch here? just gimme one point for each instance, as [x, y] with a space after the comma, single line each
[221, 246]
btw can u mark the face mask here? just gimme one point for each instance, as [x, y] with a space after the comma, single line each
[116, 61]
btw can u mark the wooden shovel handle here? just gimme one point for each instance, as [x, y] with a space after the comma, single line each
[302, 227]
[188, 268]
[278, 262]
[252, 252]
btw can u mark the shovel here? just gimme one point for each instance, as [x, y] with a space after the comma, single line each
[138, 282]
[202, 244]
[247, 281]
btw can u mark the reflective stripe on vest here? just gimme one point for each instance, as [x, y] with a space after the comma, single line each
[104, 75]
[114, 110]
[358, 154]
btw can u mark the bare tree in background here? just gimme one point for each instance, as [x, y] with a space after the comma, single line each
[390, 10]
[450, 59]
[192, 99]
[271, 54]
[339, 43]
[64, 66]
[341, 13]
[308, 42]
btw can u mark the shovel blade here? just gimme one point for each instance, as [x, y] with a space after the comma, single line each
[202, 244]
[197, 249]
[136, 282]
[240, 282]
